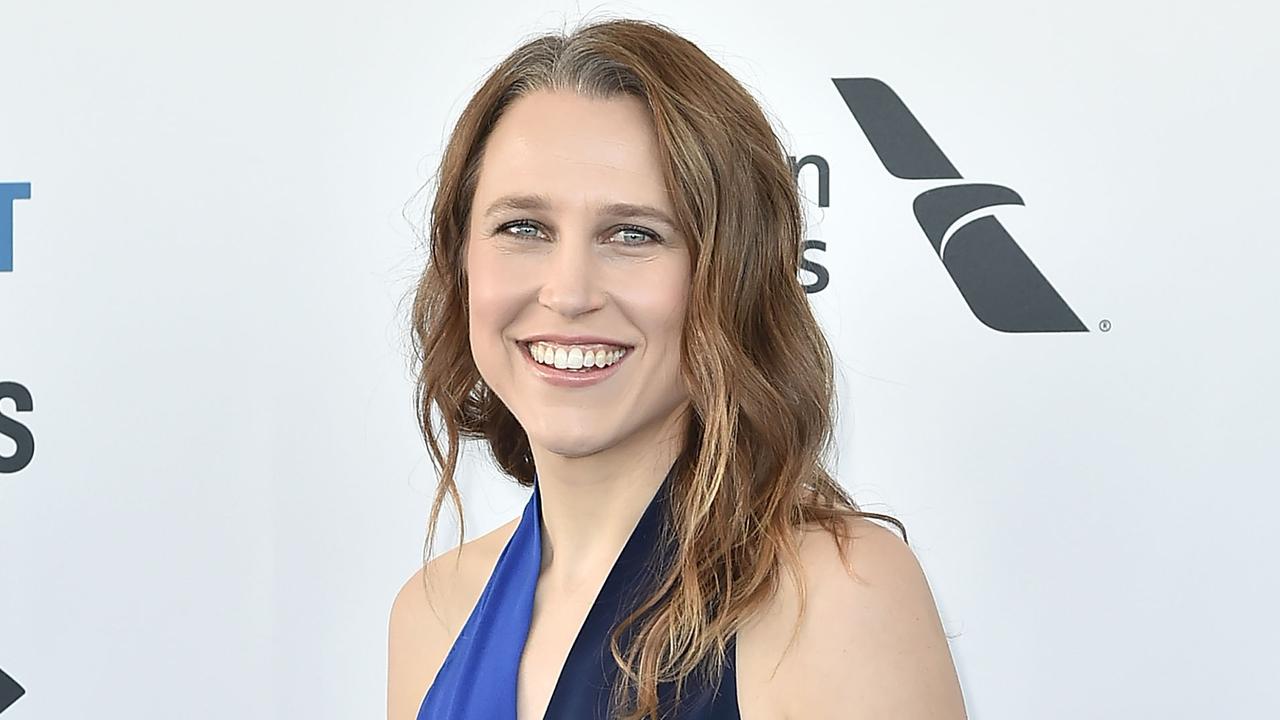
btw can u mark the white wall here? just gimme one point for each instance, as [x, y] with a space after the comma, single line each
[206, 307]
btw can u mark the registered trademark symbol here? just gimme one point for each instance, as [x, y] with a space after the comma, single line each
[1104, 326]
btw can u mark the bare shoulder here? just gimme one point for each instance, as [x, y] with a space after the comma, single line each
[875, 638]
[870, 643]
[428, 613]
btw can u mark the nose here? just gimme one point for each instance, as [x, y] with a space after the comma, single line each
[570, 285]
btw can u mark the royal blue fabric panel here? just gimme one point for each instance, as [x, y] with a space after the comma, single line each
[478, 678]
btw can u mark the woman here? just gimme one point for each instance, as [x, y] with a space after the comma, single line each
[612, 304]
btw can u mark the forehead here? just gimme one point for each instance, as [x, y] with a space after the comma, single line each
[573, 150]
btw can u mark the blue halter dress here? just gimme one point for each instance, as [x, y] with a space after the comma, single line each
[478, 678]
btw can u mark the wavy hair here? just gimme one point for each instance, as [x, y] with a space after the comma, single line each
[762, 391]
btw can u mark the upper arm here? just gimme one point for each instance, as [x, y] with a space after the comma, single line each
[417, 641]
[872, 642]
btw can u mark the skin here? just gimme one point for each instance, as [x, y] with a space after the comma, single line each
[868, 646]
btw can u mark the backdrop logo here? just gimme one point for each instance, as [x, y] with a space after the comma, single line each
[8, 193]
[10, 691]
[823, 168]
[999, 282]
[9, 427]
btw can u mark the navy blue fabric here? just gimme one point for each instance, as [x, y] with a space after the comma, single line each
[478, 678]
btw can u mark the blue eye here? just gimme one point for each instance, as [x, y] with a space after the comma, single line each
[519, 223]
[648, 235]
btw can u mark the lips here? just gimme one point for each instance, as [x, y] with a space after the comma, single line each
[574, 340]
[570, 378]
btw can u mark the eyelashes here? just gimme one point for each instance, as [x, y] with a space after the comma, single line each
[650, 236]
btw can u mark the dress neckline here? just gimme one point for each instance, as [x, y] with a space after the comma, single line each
[479, 675]
[632, 575]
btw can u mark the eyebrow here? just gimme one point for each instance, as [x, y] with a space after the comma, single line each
[542, 202]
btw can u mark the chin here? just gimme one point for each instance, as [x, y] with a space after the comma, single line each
[588, 441]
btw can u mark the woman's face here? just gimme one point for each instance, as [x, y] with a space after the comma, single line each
[568, 238]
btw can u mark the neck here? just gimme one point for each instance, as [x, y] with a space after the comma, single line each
[591, 505]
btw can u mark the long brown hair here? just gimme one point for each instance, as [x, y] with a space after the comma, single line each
[762, 390]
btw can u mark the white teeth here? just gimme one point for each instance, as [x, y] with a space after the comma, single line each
[574, 357]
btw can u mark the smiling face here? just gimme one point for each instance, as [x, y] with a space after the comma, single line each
[567, 238]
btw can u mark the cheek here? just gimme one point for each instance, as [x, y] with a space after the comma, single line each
[667, 310]
[493, 300]
[659, 304]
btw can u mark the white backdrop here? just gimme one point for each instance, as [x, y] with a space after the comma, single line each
[206, 308]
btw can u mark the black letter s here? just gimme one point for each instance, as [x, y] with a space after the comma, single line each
[17, 431]
[816, 268]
